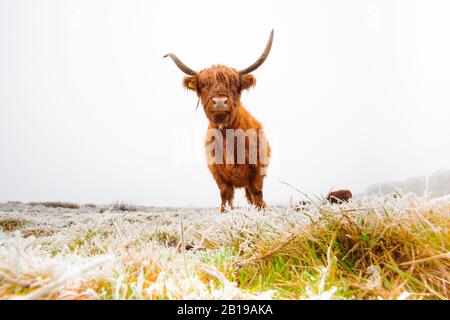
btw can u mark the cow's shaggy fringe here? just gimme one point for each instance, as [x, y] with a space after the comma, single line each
[371, 248]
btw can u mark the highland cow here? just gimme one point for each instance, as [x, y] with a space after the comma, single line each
[339, 196]
[237, 151]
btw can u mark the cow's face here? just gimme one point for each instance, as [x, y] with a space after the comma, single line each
[219, 89]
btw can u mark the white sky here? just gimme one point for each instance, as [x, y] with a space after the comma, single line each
[353, 93]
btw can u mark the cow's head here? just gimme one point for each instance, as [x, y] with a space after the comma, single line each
[219, 87]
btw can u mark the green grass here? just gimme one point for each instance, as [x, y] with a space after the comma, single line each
[377, 248]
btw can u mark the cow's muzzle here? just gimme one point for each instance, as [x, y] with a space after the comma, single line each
[219, 104]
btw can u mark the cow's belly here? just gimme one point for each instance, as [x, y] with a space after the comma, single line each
[234, 174]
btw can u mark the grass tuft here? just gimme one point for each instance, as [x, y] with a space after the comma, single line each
[11, 224]
[55, 204]
[120, 206]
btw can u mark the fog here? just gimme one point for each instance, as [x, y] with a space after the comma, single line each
[353, 93]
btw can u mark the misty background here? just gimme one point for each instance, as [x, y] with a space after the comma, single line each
[354, 93]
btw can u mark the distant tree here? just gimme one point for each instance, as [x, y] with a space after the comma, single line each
[436, 184]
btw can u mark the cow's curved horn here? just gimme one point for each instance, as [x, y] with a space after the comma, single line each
[261, 59]
[181, 65]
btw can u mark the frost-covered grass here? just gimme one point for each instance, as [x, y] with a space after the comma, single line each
[370, 248]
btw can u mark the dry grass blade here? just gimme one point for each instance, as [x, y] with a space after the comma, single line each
[183, 245]
[439, 256]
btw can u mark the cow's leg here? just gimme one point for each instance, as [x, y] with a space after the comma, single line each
[256, 189]
[259, 201]
[227, 195]
[230, 196]
[226, 190]
[249, 196]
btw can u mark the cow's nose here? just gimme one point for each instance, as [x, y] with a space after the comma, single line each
[219, 103]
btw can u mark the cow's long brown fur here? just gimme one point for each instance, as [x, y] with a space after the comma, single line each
[220, 80]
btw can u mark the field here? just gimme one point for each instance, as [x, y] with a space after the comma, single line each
[371, 248]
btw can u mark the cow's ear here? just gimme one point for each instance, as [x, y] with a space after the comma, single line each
[190, 83]
[247, 81]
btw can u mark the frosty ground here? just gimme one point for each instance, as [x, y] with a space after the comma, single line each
[386, 247]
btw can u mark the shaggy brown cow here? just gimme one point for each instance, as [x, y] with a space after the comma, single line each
[219, 89]
[339, 196]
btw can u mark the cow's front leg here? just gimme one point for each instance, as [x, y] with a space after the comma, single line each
[256, 189]
[259, 201]
[227, 195]
[249, 196]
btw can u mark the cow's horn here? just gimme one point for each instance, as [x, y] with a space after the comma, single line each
[261, 59]
[181, 65]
